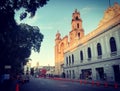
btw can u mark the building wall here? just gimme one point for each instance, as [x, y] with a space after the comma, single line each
[97, 66]
[102, 67]
[107, 61]
[60, 45]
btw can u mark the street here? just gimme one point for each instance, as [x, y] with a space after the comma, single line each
[41, 84]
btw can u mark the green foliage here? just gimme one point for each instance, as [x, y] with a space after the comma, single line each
[30, 6]
[17, 41]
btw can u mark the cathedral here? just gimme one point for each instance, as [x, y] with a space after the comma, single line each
[95, 56]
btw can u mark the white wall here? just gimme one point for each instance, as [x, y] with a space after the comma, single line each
[103, 39]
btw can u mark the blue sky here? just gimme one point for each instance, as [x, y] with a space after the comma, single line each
[56, 16]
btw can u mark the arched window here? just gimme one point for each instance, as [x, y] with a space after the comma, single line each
[99, 49]
[78, 35]
[113, 44]
[77, 25]
[89, 53]
[72, 59]
[66, 60]
[81, 55]
[77, 18]
[69, 60]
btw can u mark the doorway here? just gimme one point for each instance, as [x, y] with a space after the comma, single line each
[86, 74]
[116, 70]
[100, 73]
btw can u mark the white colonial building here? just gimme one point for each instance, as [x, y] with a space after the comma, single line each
[93, 56]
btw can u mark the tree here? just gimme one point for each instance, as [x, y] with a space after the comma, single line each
[17, 41]
[8, 7]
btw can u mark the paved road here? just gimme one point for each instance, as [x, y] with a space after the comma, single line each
[40, 84]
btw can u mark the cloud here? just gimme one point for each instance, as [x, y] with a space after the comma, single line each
[86, 10]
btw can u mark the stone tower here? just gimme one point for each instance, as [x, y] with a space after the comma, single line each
[77, 31]
[61, 44]
[57, 63]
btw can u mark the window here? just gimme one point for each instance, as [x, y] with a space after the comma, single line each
[69, 60]
[77, 25]
[113, 44]
[89, 53]
[81, 56]
[72, 59]
[78, 35]
[66, 60]
[77, 18]
[69, 73]
[73, 74]
[99, 50]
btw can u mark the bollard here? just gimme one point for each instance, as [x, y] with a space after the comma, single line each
[106, 84]
[72, 80]
[98, 83]
[80, 81]
[115, 85]
[17, 87]
[92, 83]
[85, 82]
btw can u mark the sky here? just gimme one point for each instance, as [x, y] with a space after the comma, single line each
[55, 16]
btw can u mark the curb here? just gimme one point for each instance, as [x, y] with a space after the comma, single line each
[92, 82]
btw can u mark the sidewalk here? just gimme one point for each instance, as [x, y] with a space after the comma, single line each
[92, 82]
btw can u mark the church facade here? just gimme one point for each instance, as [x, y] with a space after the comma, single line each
[95, 56]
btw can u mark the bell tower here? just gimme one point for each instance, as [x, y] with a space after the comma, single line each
[57, 53]
[58, 38]
[77, 31]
